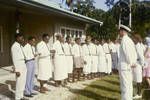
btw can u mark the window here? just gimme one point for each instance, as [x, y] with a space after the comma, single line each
[80, 33]
[63, 32]
[68, 32]
[1, 39]
[73, 32]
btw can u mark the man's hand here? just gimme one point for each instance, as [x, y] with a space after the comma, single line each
[85, 62]
[133, 66]
[17, 74]
[52, 51]
[13, 69]
[37, 54]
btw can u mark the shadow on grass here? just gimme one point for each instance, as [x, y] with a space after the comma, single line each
[112, 82]
[89, 94]
[103, 88]
[146, 94]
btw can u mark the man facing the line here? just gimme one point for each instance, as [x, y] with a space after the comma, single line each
[127, 61]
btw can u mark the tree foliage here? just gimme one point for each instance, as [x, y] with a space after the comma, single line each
[140, 17]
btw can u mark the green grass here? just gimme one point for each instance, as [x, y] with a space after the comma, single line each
[105, 89]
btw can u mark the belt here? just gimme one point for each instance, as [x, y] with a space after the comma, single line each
[68, 55]
[138, 59]
[61, 54]
[94, 55]
[29, 60]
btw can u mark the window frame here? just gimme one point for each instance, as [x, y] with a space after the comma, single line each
[1, 40]
[72, 29]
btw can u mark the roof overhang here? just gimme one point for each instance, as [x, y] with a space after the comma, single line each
[45, 4]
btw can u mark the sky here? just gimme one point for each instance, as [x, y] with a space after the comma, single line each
[101, 4]
[98, 3]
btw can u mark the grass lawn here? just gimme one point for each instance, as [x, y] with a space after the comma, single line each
[105, 89]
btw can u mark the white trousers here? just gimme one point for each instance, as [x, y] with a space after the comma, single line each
[20, 82]
[126, 84]
[109, 63]
[114, 60]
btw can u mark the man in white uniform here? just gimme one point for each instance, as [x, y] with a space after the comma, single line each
[94, 58]
[102, 61]
[137, 72]
[127, 61]
[60, 66]
[113, 50]
[108, 58]
[87, 58]
[117, 44]
[69, 57]
[44, 62]
[18, 59]
[78, 59]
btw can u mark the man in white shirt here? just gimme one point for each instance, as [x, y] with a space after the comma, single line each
[44, 62]
[60, 66]
[117, 44]
[113, 50]
[101, 60]
[137, 72]
[78, 59]
[127, 61]
[108, 58]
[69, 57]
[94, 58]
[18, 59]
[29, 51]
[87, 58]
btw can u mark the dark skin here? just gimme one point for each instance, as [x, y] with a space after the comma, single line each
[68, 40]
[21, 41]
[42, 82]
[78, 41]
[33, 43]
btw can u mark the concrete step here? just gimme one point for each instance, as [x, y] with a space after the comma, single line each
[6, 73]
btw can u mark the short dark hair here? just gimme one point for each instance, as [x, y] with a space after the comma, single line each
[17, 35]
[68, 37]
[76, 39]
[31, 38]
[44, 35]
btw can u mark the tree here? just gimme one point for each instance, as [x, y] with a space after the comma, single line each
[140, 16]
[84, 7]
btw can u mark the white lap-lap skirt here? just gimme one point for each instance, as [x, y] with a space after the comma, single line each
[94, 64]
[137, 73]
[60, 68]
[87, 65]
[69, 63]
[102, 64]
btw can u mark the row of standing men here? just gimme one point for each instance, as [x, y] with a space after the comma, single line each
[63, 61]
